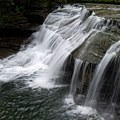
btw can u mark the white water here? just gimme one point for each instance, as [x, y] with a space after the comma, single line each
[78, 77]
[75, 77]
[77, 111]
[98, 76]
[42, 61]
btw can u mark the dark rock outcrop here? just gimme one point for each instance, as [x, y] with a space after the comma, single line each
[15, 32]
[18, 21]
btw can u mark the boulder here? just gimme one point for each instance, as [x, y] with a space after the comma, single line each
[96, 45]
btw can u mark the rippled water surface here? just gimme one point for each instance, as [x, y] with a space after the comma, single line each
[19, 102]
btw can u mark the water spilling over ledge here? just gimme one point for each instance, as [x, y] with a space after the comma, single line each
[74, 34]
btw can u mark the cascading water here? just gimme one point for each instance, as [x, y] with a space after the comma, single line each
[44, 60]
[75, 77]
[100, 70]
[62, 32]
[110, 85]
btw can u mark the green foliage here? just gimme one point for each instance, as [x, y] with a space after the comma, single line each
[17, 10]
[20, 10]
[5, 19]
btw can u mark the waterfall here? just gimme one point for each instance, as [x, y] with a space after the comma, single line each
[43, 59]
[99, 72]
[75, 77]
[65, 31]
[106, 82]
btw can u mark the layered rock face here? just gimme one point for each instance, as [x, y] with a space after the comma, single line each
[19, 19]
[98, 43]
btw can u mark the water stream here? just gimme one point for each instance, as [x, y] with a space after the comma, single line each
[30, 81]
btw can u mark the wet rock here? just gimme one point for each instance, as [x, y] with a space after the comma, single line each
[96, 45]
[78, 97]
[10, 45]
